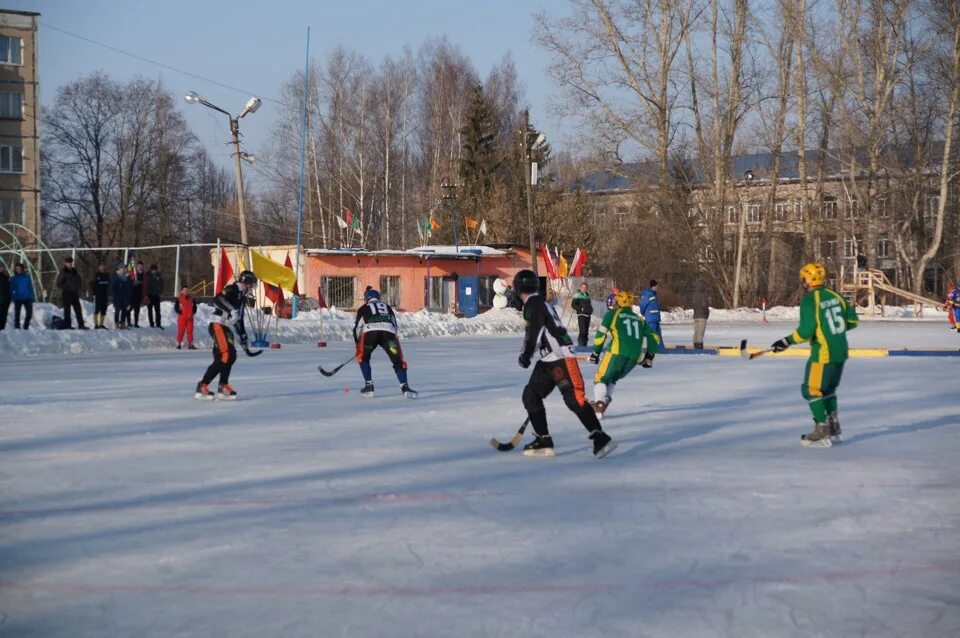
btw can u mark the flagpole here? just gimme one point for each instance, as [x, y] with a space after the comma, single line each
[294, 303]
[216, 270]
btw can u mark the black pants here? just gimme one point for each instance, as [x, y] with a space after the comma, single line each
[121, 314]
[4, 309]
[16, 314]
[584, 322]
[100, 305]
[224, 354]
[153, 308]
[71, 301]
[563, 374]
[134, 310]
[390, 344]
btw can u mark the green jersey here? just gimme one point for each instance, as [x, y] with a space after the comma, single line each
[627, 332]
[825, 317]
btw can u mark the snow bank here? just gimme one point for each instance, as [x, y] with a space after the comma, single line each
[308, 327]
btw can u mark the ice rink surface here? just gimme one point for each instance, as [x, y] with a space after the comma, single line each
[129, 509]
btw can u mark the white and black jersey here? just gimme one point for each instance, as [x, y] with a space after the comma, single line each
[374, 315]
[228, 308]
[545, 333]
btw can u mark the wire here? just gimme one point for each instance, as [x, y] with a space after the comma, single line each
[160, 64]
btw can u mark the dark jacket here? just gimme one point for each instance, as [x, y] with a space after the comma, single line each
[545, 333]
[122, 290]
[4, 288]
[136, 292]
[153, 283]
[69, 280]
[229, 308]
[582, 304]
[21, 287]
[700, 301]
[101, 286]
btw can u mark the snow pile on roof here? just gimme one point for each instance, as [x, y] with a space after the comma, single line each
[456, 250]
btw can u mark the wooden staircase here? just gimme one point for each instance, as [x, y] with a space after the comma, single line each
[872, 282]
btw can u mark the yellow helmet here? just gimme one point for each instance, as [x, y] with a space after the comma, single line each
[813, 274]
[624, 298]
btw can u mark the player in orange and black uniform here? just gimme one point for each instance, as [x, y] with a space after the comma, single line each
[556, 368]
[227, 316]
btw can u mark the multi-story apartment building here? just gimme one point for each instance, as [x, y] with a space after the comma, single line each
[19, 120]
[838, 229]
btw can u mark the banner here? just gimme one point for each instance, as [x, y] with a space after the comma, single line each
[579, 261]
[548, 261]
[434, 224]
[273, 293]
[483, 228]
[342, 224]
[224, 274]
[564, 270]
[270, 272]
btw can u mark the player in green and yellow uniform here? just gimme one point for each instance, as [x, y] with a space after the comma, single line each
[626, 331]
[825, 318]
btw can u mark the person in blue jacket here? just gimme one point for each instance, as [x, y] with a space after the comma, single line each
[650, 309]
[122, 293]
[954, 306]
[21, 291]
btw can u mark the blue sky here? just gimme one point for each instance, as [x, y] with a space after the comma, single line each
[256, 46]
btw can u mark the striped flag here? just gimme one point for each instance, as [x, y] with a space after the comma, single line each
[548, 261]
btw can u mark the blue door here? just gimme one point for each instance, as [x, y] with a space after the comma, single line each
[467, 295]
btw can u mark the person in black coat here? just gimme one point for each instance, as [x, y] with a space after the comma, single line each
[583, 306]
[4, 296]
[101, 293]
[71, 285]
[122, 287]
[136, 293]
[153, 288]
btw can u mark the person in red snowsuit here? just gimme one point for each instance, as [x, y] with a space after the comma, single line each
[186, 307]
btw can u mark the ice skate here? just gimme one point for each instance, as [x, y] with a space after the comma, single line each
[408, 392]
[833, 424]
[367, 390]
[226, 393]
[819, 437]
[540, 446]
[602, 444]
[203, 392]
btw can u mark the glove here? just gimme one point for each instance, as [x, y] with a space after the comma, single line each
[524, 360]
[781, 345]
[595, 358]
[647, 361]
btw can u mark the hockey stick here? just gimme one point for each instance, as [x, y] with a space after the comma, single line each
[512, 443]
[750, 356]
[330, 373]
[252, 353]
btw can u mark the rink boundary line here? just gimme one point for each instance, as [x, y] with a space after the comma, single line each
[583, 352]
[336, 591]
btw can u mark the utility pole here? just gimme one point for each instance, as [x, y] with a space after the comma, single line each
[235, 132]
[450, 196]
[528, 179]
[748, 178]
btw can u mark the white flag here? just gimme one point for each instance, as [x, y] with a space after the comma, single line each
[483, 228]
[342, 224]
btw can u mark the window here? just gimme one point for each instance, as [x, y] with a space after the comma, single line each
[931, 206]
[338, 291]
[11, 159]
[11, 211]
[732, 214]
[831, 247]
[441, 293]
[828, 209]
[883, 208]
[883, 246]
[11, 50]
[620, 217]
[780, 210]
[485, 293]
[850, 247]
[852, 210]
[11, 106]
[390, 289]
[798, 209]
[753, 213]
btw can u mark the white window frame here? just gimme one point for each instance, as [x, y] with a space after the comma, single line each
[733, 215]
[883, 208]
[9, 156]
[798, 209]
[849, 247]
[7, 100]
[753, 213]
[931, 203]
[781, 208]
[883, 246]
[852, 210]
[19, 48]
[828, 209]
[621, 213]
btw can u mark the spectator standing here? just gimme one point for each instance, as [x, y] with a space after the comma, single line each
[186, 308]
[701, 311]
[21, 289]
[4, 296]
[101, 293]
[122, 291]
[71, 285]
[136, 294]
[153, 287]
[650, 309]
[583, 306]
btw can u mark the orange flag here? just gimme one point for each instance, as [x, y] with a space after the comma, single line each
[289, 264]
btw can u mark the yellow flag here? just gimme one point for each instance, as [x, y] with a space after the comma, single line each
[271, 272]
[564, 267]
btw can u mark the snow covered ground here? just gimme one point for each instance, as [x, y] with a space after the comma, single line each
[129, 509]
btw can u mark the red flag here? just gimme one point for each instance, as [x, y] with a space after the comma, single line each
[548, 261]
[225, 274]
[273, 293]
[289, 264]
[579, 261]
[347, 216]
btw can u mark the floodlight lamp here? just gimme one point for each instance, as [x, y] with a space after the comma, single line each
[192, 97]
[249, 158]
[251, 106]
[541, 138]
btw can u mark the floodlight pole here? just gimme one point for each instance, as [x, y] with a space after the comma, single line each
[748, 178]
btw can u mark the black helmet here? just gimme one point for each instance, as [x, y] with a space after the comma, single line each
[247, 277]
[526, 282]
